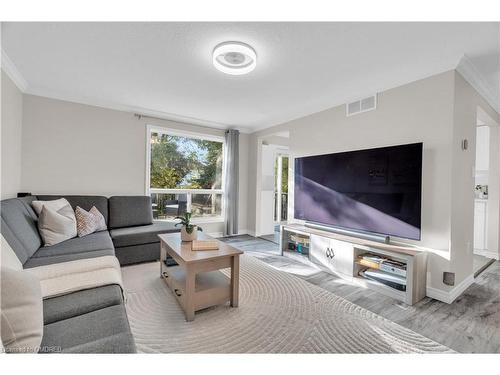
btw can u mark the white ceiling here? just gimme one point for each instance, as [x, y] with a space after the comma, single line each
[166, 68]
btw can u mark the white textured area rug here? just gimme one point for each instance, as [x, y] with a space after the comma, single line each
[277, 313]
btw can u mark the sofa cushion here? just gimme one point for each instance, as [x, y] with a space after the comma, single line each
[120, 343]
[101, 331]
[93, 245]
[140, 235]
[8, 258]
[43, 261]
[84, 201]
[149, 252]
[21, 311]
[81, 302]
[129, 211]
[92, 242]
[19, 226]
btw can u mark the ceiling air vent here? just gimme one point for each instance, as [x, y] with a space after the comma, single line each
[360, 106]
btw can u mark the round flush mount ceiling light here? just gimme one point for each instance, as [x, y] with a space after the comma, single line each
[234, 58]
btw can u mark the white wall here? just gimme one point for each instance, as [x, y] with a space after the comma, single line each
[71, 148]
[11, 135]
[482, 152]
[493, 221]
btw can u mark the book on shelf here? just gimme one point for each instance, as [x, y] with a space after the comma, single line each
[369, 263]
[386, 276]
[384, 264]
[394, 267]
[394, 281]
[371, 257]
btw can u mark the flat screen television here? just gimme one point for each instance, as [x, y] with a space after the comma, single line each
[375, 190]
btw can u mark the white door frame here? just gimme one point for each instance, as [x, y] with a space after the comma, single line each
[492, 229]
[258, 184]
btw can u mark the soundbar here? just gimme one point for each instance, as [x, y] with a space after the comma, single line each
[366, 236]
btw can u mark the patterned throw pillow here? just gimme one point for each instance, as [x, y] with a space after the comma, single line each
[101, 221]
[88, 222]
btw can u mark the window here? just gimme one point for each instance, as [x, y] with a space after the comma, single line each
[185, 173]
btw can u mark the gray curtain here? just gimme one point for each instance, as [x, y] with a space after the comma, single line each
[231, 158]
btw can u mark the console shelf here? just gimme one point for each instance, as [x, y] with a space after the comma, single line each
[340, 254]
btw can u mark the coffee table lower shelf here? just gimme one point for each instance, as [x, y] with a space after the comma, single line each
[211, 288]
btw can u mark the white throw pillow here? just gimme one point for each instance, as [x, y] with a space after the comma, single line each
[57, 226]
[55, 205]
[21, 311]
[9, 258]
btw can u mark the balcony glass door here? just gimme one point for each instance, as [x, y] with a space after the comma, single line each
[281, 188]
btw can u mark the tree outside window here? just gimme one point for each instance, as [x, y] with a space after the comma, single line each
[184, 163]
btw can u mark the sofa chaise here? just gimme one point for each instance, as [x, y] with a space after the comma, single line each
[92, 320]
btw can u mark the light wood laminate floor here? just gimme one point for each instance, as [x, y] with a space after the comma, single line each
[469, 325]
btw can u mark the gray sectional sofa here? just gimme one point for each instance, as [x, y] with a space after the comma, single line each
[93, 320]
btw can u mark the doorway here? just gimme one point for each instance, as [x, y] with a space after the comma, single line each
[274, 191]
[280, 195]
[273, 164]
[487, 191]
[272, 185]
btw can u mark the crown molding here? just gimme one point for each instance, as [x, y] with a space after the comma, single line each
[472, 75]
[166, 116]
[14, 74]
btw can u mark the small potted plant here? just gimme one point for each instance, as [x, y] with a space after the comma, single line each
[189, 231]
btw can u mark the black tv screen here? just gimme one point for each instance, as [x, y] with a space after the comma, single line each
[377, 190]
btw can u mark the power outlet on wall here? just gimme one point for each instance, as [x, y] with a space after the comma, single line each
[449, 278]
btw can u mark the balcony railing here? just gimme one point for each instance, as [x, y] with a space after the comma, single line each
[202, 203]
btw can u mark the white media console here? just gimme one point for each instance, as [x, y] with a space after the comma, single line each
[339, 254]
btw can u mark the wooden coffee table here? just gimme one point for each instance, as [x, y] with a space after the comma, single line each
[197, 282]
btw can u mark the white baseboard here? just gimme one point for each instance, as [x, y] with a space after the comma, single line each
[452, 295]
[487, 253]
